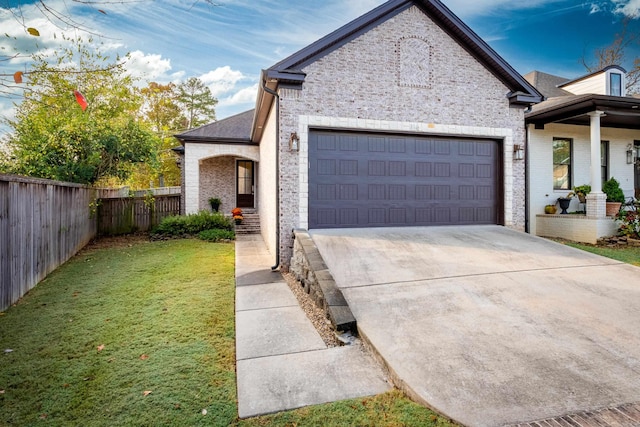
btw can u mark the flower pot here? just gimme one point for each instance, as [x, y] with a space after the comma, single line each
[550, 209]
[613, 208]
[564, 204]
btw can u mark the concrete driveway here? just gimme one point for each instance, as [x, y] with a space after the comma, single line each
[491, 326]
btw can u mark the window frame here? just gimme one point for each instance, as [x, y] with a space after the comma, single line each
[618, 84]
[604, 161]
[569, 165]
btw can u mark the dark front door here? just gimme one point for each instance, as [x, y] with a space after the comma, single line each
[245, 184]
[373, 180]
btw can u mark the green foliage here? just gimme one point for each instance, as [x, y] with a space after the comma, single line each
[582, 189]
[191, 225]
[161, 109]
[215, 203]
[53, 138]
[629, 223]
[217, 235]
[197, 102]
[613, 191]
[168, 110]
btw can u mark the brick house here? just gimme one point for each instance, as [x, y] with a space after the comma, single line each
[584, 122]
[403, 117]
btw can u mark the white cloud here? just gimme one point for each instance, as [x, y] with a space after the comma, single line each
[148, 66]
[466, 8]
[222, 80]
[595, 8]
[243, 96]
[628, 8]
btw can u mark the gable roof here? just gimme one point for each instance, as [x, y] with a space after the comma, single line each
[586, 76]
[235, 128]
[289, 71]
[547, 84]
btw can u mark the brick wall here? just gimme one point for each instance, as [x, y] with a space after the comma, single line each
[406, 74]
[217, 179]
[577, 228]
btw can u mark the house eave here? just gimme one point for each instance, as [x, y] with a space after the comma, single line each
[209, 140]
[620, 112]
[523, 99]
[264, 101]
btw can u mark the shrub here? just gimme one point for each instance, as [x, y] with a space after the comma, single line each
[613, 191]
[629, 223]
[192, 224]
[216, 235]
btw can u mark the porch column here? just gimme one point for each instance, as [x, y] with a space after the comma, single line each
[596, 200]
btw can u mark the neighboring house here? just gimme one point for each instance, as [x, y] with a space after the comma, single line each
[585, 132]
[403, 117]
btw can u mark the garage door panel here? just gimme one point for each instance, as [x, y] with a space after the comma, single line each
[364, 180]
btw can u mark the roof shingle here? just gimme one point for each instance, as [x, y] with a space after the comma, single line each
[235, 128]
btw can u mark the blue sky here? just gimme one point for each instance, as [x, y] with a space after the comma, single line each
[226, 45]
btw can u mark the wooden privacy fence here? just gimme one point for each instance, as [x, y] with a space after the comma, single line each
[42, 224]
[129, 214]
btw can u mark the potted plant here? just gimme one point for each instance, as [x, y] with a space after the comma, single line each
[615, 196]
[215, 203]
[581, 191]
[237, 215]
[564, 203]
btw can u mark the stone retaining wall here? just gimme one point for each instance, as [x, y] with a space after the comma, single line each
[309, 269]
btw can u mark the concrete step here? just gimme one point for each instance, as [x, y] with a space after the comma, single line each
[250, 224]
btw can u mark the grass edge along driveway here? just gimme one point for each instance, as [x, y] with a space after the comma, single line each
[142, 333]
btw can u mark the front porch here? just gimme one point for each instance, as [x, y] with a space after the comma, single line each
[600, 136]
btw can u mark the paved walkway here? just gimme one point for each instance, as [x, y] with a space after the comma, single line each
[282, 363]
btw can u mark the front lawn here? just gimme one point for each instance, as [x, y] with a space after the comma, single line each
[142, 334]
[628, 254]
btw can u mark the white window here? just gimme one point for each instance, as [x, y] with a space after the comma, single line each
[615, 84]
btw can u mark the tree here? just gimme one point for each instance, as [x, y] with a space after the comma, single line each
[170, 109]
[197, 101]
[54, 138]
[617, 54]
[161, 108]
[47, 15]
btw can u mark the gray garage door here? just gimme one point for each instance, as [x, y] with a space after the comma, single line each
[377, 180]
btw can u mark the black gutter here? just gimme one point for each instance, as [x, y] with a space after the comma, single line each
[210, 140]
[277, 97]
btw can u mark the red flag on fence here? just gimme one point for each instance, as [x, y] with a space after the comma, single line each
[81, 100]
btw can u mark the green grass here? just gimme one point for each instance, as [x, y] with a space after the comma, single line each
[629, 254]
[164, 312]
[388, 409]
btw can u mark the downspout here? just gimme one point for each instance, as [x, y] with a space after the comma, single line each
[277, 97]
